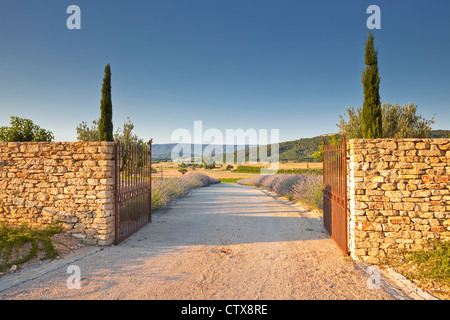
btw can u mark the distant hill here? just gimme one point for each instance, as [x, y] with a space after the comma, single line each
[164, 151]
[300, 150]
[439, 134]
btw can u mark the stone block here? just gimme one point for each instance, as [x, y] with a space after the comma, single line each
[421, 194]
[70, 190]
[423, 145]
[406, 145]
[389, 186]
[399, 220]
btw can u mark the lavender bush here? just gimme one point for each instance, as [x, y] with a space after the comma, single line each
[306, 188]
[309, 190]
[285, 184]
[165, 191]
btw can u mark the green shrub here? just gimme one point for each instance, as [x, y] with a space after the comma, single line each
[14, 238]
[229, 180]
[24, 130]
[247, 169]
[431, 264]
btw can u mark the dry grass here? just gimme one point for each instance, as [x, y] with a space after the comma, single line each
[24, 246]
[170, 170]
[287, 165]
[428, 269]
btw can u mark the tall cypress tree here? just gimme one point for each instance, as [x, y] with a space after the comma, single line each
[371, 112]
[105, 125]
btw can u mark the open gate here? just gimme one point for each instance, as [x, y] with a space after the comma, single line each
[335, 192]
[133, 187]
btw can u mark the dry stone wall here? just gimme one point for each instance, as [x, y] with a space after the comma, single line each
[399, 195]
[71, 182]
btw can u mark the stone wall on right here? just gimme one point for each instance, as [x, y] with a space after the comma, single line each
[399, 195]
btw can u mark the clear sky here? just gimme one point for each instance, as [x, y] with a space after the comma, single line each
[265, 64]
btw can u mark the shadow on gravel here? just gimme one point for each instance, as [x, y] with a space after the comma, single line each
[220, 215]
[210, 219]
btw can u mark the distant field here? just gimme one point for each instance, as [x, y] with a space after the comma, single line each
[289, 165]
[229, 180]
[170, 170]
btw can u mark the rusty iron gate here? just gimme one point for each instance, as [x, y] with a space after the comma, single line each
[133, 187]
[335, 192]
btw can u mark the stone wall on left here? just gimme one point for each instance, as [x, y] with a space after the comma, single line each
[70, 182]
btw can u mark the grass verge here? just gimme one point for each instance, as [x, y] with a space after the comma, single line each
[257, 170]
[229, 180]
[19, 244]
[428, 269]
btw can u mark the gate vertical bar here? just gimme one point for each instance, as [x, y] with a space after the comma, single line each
[344, 194]
[326, 194]
[150, 179]
[116, 191]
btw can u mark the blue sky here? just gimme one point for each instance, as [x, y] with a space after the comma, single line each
[287, 64]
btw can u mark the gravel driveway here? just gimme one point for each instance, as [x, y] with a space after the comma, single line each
[225, 241]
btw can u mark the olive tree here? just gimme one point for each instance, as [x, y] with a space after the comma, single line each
[22, 130]
[398, 122]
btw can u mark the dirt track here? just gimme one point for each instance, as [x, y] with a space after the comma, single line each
[221, 242]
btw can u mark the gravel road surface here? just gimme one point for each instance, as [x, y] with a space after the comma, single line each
[225, 241]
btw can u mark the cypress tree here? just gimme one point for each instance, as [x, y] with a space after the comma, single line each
[371, 112]
[105, 125]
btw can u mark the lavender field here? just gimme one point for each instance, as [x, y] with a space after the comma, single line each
[305, 188]
[165, 191]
